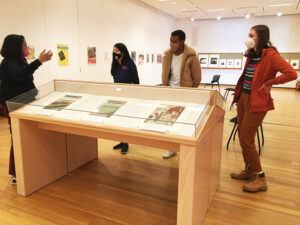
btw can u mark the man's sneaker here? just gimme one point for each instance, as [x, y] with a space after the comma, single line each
[118, 146]
[169, 154]
[124, 149]
[258, 183]
[13, 181]
[243, 175]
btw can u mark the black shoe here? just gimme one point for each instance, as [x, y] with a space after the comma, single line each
[124, 149]
[118, 146]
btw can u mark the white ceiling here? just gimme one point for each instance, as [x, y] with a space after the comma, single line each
[211, 9]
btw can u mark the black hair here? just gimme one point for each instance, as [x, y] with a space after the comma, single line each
[179, 33]
[126, 57]
[263, 34]
[12, 46]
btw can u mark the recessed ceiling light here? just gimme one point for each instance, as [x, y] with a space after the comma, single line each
[280, 5]
[214, 10]
[192, 19]
[247, 16]
[279, 14]
[219, 17]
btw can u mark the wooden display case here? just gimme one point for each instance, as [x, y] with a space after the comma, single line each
[48, 146]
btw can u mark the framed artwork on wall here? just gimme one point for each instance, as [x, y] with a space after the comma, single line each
[63, 54]
[222, 63]
[237, 63]
[91, 52]
[133, 55]
[203, 60]
[295, 63]
[152, 58]
[31, 55]
[229, 63]
[214, 60]
[159, 58]
[141, 59]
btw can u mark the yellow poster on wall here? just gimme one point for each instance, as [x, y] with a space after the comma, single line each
[31, 55]
[63, 55]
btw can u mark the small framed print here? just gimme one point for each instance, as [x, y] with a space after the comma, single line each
[295, 63]
[31, 54]
[141, 59]
[229, 63]
[214, 60]
[237, 63]
[153, 58]
[159, 58]
[133, 55]
[91, 54]
[203, 60]
[222, 63]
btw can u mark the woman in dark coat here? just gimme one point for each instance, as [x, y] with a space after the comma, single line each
[16, 78]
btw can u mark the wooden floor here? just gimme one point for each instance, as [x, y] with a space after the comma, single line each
[141, 188]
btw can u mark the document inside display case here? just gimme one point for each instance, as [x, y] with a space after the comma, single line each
[153, 115]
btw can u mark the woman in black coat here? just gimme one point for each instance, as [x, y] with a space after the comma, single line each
[123, 70]
[16, 78]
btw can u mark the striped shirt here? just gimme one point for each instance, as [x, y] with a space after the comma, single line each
[248, 75]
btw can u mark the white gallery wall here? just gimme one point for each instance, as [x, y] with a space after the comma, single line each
[87, 23]
[102, 23]
[26, 18]
[229, 35]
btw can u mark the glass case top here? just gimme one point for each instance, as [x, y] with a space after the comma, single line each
[176, 111]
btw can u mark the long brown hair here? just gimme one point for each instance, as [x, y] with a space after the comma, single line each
[263, 34]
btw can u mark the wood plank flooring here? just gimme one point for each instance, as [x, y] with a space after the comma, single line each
[141, 188]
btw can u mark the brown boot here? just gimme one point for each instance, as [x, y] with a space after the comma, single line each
[243, 175]
[257, 184]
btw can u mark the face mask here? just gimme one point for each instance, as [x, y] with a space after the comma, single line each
[250, 43]
[117, 56]
[25, 52]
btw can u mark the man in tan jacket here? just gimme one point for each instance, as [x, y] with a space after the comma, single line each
[180, 67]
